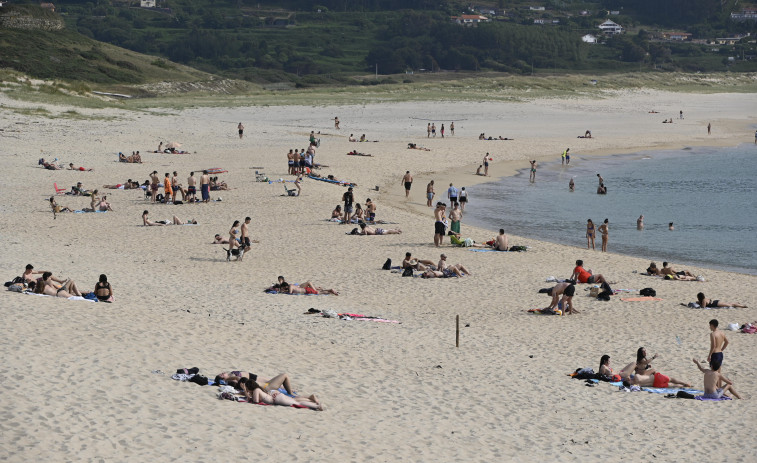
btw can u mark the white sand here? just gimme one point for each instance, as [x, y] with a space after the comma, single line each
[77, 381]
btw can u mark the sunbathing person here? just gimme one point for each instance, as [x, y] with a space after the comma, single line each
[104, 205]
[653, 380]
[129, 185]
[71, 167]
[643, 365]
[583, 276]
[230, 377]
[49, 165]
[712, 303]
[255, 393]
[29, 273]
[444, 266]
[78, 190]
[56, 208]
[66, 289]
[711, 381]
[448, 273]
[455, 239]
[682, 275]
[413, 146]
[604, 366]
[103, 290]
[219, 240]
[309, 288]
[416, 264]
[215, 185]
[336, 214]
[146, 222]
[134, 158]
[368, 230]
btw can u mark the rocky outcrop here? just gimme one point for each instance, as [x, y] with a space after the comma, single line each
[18, 20]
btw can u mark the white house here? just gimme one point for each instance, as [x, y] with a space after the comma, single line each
[536, 8]
[147, 3]
[470, 19]
[609, 27]
[540, 21]
[588, 38]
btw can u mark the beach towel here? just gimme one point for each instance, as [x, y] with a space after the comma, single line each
[485, 250]
[335, 182]
[84, 212]
[638, 299]
[659, 390]
[704, 399]
[216, 170]
[694, 305]
[544, 312]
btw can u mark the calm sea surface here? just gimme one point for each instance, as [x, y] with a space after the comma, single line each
[710, 194]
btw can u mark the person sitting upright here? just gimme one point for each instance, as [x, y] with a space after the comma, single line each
[583, 276]
[711, 380]
[416, 264]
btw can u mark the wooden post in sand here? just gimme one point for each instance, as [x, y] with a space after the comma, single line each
[457, 330]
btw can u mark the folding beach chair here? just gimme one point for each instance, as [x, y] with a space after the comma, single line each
[292, 192]
[59, 191]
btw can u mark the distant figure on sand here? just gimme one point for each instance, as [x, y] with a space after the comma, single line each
[532, 178]
[640, 223]
[463, 197]
[336, 123]
[442, 130]
[709, 128]
[240, 128]
[670, 226]
[430, 193]
[500, 242]
[590, 234]
[712, 303]
[604, 229]
[439, 224]
[407, 179]
[452, 128]
[571, 185]
[428, 130]
[452, 194]
[368, 230]
[486, 164]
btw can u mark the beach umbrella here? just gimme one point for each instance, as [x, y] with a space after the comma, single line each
[173, 144]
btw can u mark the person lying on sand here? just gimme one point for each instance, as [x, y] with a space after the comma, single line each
[450, 272]
[256, 394]
[82, 169]
[585, 135]
[682, 275]
[174, 221]
[310, 288]
[134, 158]
[49, 165]
[232, 377]
[416, 264]
[129, 185]
[47, 286]
[413, 146]
[368, 230]
[712, 303]
[219, 240]
[656, 380]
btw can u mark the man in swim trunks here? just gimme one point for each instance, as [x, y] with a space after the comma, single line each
[657, 380]
[348, 198]
[439, 227]
[718, 343]
[712, 380]
[582, 276]
[408, 181]
[500, 242]
[567, 290]
[205, 186]
[240, 128]
[370, 210]
[368, 230]
[309, 288]
[532, 178]
[71, 167]
[486, 165]
[452, 194]
[430, 193]
[154, 181]
[191, 187]
[417, 264]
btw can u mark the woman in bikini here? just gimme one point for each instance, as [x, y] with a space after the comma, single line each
[359, 213]
[233, 235]
[104, 205]
[643, 364]
[255, 394]
[103, 291]
[233, 377]
[605, 231]
[47, 286]
[704, 302]
[589, 234]
[604, 366]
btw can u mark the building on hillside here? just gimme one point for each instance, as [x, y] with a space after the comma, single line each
[609, 27]
[677, 36]
[148, 3]
[729, 40]
[48, 6]
[588, 38]
[747, 14]
[469, 19]
[613, 13]
[536, 8]
[540, 21]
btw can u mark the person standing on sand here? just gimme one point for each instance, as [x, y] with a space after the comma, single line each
[718, 343]
[408, 181]
[433, 129]
[709, 128]
[452, 128]
[428, 130]
[640, 223]
[454, 216]
[442, 130]
[240, 128]
[430, 193]
[348, 198]
[590, 233]
[532, 178]
[244, 237]
[486, 165]
[452, 194]
[192, 187]
[439, 227]
[205, 186]
[571, 185]
[463, 199]
[336, 123]
[605, 231]
[154, 181]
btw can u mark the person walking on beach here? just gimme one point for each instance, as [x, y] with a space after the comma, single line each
[439, 224]
[571, 185]
[463, 196]
[408, 181]
[486, 165]
[442, 130]
[709, 128]
[244, 236]
[336, 123]
[452, 194]
[452, 128]
[433, 130]
[590, 233]
[532, 178]
[640, 223]
[240, 128]
[428, 130]
[430, 193]
[605, 231]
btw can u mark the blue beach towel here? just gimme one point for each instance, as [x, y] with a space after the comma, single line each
[484, 250]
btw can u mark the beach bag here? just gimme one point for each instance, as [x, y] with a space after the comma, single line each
[16, 288]
[199, 379]
[604, 295]
[468, 242]
[685, 395]
[594, 292]
[517, 248]
[387, 265]
[648, 292]
[159, 197]
[408, 272]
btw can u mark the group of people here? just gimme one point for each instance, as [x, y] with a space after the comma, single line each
[431, 129]
[591, 232]
[50, 285]
[281, 286]
[669, 273]
[441, 269]
[301, 162]
[354, 212]
[267, 391]
[172, 187]
[133, 158]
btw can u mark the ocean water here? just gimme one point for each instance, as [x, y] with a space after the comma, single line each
[710, 194]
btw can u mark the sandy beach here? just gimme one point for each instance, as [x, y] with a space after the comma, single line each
[79, 381]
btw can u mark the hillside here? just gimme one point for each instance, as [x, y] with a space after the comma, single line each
[33, 45]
